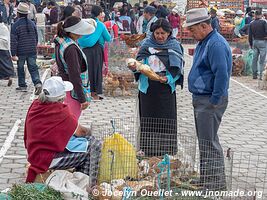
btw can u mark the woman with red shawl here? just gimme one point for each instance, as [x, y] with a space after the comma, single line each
[54, 139]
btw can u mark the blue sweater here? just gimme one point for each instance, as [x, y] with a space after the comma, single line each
[101, 35]
[212, 66]
[23, 43]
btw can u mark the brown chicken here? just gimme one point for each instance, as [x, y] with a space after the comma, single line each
[114, 81]
[236, 51]
[264, 78]
[132, 40]
[264, 74]
[124, 86]
[238, 65]
[111, 84]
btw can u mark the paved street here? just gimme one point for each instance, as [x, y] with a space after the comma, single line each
[244, 127]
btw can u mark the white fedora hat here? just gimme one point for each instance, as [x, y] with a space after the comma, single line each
[84, 27]
[195, 16]
[23, 8]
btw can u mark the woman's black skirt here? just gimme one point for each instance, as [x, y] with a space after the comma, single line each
[158, 120]
[6, 65]
[95, 57]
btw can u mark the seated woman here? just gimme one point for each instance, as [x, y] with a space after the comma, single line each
[54, 139]
[157, 99]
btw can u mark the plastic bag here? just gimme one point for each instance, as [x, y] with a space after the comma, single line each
[248, 58]
[118, 159]
[69, 184]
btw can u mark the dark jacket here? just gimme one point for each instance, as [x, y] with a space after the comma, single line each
[162, 12]
[257, 30]
[53, 18]
[24, 38]
[244, 30]
[76, 65]
[248, 19]
[6, 18]
[215, 23]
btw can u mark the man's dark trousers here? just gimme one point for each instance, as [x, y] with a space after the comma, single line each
[207, 121]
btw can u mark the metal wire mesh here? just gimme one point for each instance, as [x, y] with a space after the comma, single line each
[249, 175]
[118, 51]
[119, 80]
[165, 155]
[153, 154]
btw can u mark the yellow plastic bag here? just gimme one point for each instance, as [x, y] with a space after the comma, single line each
[118, 159]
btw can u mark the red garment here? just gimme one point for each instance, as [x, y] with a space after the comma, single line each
[105, 64]
[112, 25]
[174, 20]
[74, 106]
[48, 128]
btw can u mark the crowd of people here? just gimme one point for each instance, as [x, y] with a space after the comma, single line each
[80, 54]
[254, 25]
[251, 24]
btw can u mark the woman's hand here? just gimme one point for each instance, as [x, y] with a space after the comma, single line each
[132, 67]
[82, 131]
[163, 79]
[84, 105]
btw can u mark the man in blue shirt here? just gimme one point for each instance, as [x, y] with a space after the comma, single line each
[208, 81]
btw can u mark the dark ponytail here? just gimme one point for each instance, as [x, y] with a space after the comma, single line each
[60, 30]
[96, 10]
[69, 21]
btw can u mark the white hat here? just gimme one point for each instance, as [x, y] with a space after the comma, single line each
[55, 87]
[23, 8]
[175, 10]
[239, 12]
[118, 4]
[83, 27]
[195, 16]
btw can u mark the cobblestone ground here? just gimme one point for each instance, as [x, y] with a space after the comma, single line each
[244, 127]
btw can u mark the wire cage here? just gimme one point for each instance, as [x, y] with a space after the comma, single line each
[156, 156]
[119, 81]
[249, 176]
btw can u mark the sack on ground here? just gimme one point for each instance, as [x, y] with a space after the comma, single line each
[118, 159]
[248, 58]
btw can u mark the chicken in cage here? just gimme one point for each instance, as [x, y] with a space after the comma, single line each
[154, 155]
[119, 80]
